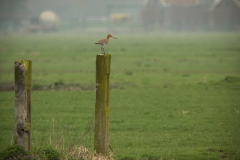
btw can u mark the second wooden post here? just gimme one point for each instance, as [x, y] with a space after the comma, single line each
[101, 133]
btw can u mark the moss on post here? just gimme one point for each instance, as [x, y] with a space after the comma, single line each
[23, 79]
[101, 133]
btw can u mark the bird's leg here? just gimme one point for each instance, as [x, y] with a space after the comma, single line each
[102, 49]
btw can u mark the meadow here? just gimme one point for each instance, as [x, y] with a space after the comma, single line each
[172, 95]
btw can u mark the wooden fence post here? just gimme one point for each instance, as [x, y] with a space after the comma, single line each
[22, 77]
[101, 139]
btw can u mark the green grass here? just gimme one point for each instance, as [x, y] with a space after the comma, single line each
[173, 96]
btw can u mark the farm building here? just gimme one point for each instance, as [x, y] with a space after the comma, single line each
[225, 14]
[192, 15]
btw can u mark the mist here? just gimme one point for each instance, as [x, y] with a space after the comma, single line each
[33, 16]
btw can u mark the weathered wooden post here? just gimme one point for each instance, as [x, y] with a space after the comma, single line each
[22, 77]
[101, 133]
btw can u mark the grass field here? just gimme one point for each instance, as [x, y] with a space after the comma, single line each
[173, 96]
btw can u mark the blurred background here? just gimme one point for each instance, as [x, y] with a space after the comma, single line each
[31, 16]
[174, 83]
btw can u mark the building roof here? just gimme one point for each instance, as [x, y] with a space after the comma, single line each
[170, 2]
[180, 1]
[211, 3]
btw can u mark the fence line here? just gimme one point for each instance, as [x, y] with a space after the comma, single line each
[23, 83]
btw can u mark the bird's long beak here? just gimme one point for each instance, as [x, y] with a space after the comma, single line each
[114, 37]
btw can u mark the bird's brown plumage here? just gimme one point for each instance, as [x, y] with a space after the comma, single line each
[104, 42]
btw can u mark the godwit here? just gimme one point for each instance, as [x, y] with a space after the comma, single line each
[104, 41]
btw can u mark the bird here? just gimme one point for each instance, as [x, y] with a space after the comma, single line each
[104, 42]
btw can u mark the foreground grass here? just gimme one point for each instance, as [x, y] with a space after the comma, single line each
[172, 97]
[198, 121]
